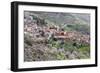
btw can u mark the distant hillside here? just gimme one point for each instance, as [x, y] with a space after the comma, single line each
[64, 18]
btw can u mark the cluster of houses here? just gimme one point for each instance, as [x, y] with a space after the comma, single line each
[37, 31]
[54, 32]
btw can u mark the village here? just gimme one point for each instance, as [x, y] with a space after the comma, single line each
[56, 32]
[45, 41]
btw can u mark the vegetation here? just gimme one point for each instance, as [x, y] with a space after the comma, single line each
[83, 28]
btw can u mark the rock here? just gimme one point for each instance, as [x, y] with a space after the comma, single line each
[72, 56]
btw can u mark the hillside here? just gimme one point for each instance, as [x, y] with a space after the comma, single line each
[56, 36]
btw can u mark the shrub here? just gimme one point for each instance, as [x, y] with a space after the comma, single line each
[61, 56]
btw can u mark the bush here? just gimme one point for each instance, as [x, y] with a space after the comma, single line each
[61, 56]
[84, 51]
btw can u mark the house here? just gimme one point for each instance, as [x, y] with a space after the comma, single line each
[63, 35]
